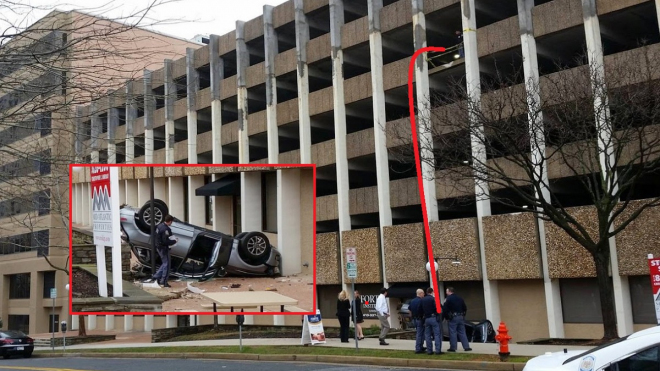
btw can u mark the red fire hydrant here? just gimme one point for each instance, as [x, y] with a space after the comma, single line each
[503, 338]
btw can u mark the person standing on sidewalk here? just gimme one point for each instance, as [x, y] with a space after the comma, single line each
[455, 310]
[431, 324]
[417, 315]
[383, 311]
[164, 241]
[359, 316]
[343, 314]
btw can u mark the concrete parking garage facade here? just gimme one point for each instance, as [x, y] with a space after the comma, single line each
[316, 81]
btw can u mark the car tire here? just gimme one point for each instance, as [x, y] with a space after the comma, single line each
[254, 248]
[144, 214]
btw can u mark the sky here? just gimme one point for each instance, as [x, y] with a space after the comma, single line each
[180, 18]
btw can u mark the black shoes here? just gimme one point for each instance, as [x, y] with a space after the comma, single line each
[468, 349]
[382, 342]
[166, 284]
[451, 350]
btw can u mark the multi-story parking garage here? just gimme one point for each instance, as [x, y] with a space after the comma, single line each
[316, 81]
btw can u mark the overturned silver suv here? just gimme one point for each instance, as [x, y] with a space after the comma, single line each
[200, 253]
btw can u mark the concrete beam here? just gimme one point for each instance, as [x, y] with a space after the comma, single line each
[242, 62]
[469, 22]
[217, 75]
[424, 126]
[113, 123]
[270, 48]
[131, 116]
[535, 117]
[149, 107]
[302, 37]
[170, 99]
[191, 102]
[380, 119]
[339, 112]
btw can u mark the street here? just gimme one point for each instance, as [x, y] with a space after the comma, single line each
[115, 364]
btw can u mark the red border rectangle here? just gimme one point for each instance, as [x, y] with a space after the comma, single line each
[312, 166]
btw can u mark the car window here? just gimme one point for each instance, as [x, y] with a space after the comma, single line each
[615, 341]
[645, 360]
[11, 334]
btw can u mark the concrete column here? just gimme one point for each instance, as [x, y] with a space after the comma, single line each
[128, 322]
[74, 322]
[78, 145]
[170, 321]
[91, 322]
[161, 186]
[193, 88]
[251, 209]
[113, 123]
[424, 127]
[657, 10]
[378, 97]
[472, 80]
[195, 203]
[109, 322]
[270, 50]
[144, 191]
[341, 152]
[535, 117]
[122, 192]
[131, 115]
[132, 192]
[242, 62]
[95, 133]
[217, 75]
[622, 300]
[249, 320]
[221, 320]
[288, 220]
[86, 204]
[175, 196]
[170, 98]
[149, 107]
[278, 320]
[223, 211]
[148, 322]
[304, 122]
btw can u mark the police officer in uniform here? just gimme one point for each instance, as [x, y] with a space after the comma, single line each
[454, 310]
[163, 243]
[431, 323]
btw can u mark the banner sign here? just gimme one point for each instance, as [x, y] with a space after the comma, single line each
[654, 266]
[101, 205]
[313, 332]
[369, 306]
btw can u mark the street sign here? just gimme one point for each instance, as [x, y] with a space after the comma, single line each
[654, 267]
[351, 262]
[53, 293]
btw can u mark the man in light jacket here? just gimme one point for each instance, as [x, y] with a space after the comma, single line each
[383, 311]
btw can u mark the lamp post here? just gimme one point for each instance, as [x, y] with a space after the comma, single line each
[454, 261]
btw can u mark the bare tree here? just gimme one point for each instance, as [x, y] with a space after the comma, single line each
[522, 138]
[47, 70]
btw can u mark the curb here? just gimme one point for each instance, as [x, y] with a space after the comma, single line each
[310, 358]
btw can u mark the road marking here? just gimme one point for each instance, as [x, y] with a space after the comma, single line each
[39, 368]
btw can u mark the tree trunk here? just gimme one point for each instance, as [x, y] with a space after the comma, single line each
[81, 326]
[606, 289]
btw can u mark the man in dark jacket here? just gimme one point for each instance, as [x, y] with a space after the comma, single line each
[163, 246]
[455, 309]
[431, 323]
[417, 315]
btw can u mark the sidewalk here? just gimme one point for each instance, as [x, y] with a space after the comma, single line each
[143, 339]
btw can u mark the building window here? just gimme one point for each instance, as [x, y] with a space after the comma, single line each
[49, 283]
[269, 201]
[641, 296]
[580, 300]
[19, 322]
[41, 241]
[43, 123]
[19, 286]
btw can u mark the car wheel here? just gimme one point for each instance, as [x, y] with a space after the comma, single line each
[255, 248]
[144, 215]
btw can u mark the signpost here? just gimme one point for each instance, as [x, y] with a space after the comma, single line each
[654, 267]
[53, 295]
[351, 270]
[105, 216]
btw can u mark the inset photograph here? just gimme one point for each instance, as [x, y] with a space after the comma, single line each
[192, 238]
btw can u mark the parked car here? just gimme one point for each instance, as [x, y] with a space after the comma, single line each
[477, 331]
[15, 343]
[639, 351]
[200, 253]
